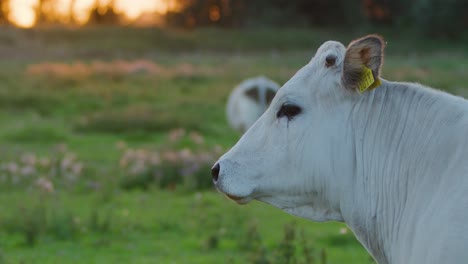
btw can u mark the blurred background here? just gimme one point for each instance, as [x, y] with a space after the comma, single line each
[112, 113]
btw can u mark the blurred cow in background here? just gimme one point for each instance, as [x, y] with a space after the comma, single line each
[248, 101]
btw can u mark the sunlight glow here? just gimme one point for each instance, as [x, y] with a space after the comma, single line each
[81, 10]
[133, 8]
[23, 14]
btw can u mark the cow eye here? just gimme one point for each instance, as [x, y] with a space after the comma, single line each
[289, 111]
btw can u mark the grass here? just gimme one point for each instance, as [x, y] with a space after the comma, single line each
[94, 113]
[144, 227]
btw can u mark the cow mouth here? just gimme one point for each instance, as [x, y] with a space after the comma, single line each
[238, 199]
[243, 198]
[233, 197]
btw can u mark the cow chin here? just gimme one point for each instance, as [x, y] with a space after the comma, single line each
[239, 200]
[302, 207]
[235, 193]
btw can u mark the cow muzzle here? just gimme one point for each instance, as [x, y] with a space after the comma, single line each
[224, 185]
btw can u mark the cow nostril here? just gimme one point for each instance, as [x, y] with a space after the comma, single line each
[215, 172]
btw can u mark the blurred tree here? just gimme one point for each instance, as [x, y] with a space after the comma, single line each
[330, 13]
[4, 11]
[71, 12]
[46, 12]
[383, 11]
[191, 13]
[104, 14]
[440, 18]
[265, 12]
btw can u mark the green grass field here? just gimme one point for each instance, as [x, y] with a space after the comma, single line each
[88, 115]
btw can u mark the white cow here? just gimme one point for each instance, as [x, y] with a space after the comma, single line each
[391, 162]
[248, 101]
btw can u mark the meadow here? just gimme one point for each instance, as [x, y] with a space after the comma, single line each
[108, 135]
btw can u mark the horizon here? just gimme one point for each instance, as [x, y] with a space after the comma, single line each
[22, 12]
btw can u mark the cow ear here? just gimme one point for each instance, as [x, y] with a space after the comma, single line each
[252, 93]
[362, 63]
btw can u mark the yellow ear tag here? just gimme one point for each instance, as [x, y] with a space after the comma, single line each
[367, 80]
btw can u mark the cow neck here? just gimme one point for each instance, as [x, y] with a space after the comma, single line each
[395, 154]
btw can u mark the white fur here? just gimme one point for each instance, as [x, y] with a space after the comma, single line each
[391, 163]
[241, 110]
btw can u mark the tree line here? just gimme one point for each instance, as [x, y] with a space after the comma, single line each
[434, 17]
[46, 13]
[446, 18]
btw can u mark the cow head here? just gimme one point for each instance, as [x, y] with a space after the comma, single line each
[299, 155]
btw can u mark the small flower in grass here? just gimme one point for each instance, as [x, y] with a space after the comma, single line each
[343, 230]
[76, 168]
[176, 134]
[142, 66]
[196, 137]
[12, 168]
[218, 149]
[127, 158]
[45, 184]
[185, 69]
[80, 69]
[68, 161]
[28, 159]
[171, 165]
[170, 156]
[186, 154]
[189, 170]
[27, 170]
[123, 162]
[98, 66]
[137, 168]
[141, 154]
[44, 162]
[121, 145]
[60, 148]
[155, 159]
[205, 157]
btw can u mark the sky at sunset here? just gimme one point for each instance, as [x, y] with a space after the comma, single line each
[22, 11]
